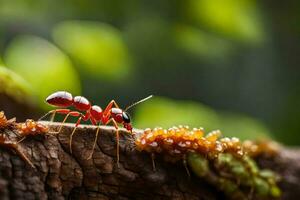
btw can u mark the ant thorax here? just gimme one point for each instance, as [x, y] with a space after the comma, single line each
[117, 114]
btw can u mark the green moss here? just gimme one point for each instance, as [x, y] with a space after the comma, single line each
[198, 164]
[251, 164]
[261, 186]
[228, 186]
[275, 191]
[235, 176]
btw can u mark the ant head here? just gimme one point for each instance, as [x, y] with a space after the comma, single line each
[126, 121]
[121, 117]
[128, 127]
[126, 117]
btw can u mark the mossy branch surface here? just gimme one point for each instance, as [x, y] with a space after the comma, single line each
[62, 175]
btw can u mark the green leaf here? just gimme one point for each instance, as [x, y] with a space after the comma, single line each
[200, 43]
[242, 126]
[15, 86]
[166, 113]
[237, 19]
[43, 65]
[98, 48]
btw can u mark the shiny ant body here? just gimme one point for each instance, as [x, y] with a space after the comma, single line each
[86, 111]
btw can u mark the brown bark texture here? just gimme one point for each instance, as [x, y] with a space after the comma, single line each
[60, 174]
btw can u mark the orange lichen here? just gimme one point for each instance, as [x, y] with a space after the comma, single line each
[30, 127]
[175, 142]
[5, 123]
[3, 119]
[228, 160]
[257, 148]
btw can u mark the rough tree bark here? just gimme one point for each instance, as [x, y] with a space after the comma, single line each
[62, 175]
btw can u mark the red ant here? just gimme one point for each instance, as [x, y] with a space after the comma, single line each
[112, 113]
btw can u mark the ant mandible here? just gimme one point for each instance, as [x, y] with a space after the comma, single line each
[111, 114]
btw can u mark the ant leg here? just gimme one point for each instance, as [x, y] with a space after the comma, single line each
[48, 113]
[23, 138]
[57, 132]
[106, 114]
[53, 112]
[117, 138]
[53, 116]
[95, 142]
[71, 136]
[17, 134]
[109, 106]
[24, 157]
[118, 141]
[62, 123]
[186, 167]
[21, 154]
[153, 162]
[71, 113]
[45, 115]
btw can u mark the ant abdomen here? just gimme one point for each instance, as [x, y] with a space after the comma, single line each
[81, 103]
[96, 112]
[61, 99]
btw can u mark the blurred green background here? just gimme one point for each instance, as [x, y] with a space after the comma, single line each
[225, 64]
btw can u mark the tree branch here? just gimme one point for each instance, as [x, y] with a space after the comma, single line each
[61, 175]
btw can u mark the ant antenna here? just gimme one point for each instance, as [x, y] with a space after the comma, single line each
[140, 101]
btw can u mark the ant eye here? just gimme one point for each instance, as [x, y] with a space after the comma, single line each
[126, 117]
